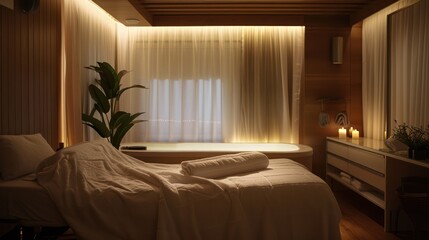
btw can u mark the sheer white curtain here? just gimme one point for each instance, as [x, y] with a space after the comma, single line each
[88, 36]
[410, 65]
[183, 68]
[215, 84]
[374, 70]
[270, 84]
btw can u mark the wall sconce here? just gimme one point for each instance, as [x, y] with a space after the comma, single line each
[337, 50]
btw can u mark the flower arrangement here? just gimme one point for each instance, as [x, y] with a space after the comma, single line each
[416, 138]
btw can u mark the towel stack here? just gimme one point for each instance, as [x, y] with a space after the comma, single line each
[345, 177]
[361, 186]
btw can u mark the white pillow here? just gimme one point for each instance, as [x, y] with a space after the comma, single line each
[21, 154]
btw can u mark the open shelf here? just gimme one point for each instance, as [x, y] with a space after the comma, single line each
[373, 196]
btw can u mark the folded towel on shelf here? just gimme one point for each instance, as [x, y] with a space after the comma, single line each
[346, 179]
[345, 175]
[361, 186]
[225, 165]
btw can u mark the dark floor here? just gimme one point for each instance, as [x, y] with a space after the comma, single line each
[362, 220]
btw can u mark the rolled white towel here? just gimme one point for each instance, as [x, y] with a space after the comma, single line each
[225, 165]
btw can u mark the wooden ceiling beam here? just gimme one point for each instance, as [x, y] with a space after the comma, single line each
[228, 20]
[141, 8]
[241, 13]
[252, 20]
[122, 10]
[161, 12]
[306, 2]
[253, 8]
[369, 9]
[257, 6]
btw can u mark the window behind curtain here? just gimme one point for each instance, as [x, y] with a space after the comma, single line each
[196, 80]
[185, 110]
[188, 71]
[185, 97]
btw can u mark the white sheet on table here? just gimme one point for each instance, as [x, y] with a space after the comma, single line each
[25, 201]
[104, 194]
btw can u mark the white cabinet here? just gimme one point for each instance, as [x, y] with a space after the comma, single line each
[364, 167]
[379, 170]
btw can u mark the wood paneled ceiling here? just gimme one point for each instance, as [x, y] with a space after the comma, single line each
[237, 12]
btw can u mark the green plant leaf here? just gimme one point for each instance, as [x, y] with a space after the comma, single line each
[127, 119]
[413, 137]
[101, 113]
[119, 134]
[127, 88]
[106, 94]
[99, 98]
[103, 85]
[98, 81]
[122, 124]
[138, 121]
[118, 118]
[109, 74]
[96, 124]
[135, 115]
[104, 81]
[93, 110]
[121, 74]
[95, 68]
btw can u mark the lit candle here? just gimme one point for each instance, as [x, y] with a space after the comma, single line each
[355, 134]
[342, 133]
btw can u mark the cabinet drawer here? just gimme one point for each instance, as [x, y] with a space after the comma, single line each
[337, 149]
[368, 159]
[336, 162]
[372, 179]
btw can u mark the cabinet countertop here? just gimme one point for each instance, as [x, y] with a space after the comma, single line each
[378, 146]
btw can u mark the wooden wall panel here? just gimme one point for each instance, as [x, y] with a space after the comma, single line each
[339, 84]
[356, 114]
[29, 73]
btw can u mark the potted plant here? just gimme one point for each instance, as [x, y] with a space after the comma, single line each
[112, 123]
[416, 138]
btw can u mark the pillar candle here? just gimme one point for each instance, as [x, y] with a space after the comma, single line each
[355, 134]
[342, 133]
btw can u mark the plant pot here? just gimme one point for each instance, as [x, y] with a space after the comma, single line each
[418, 154]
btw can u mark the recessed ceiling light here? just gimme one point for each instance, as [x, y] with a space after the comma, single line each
[132, 20]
